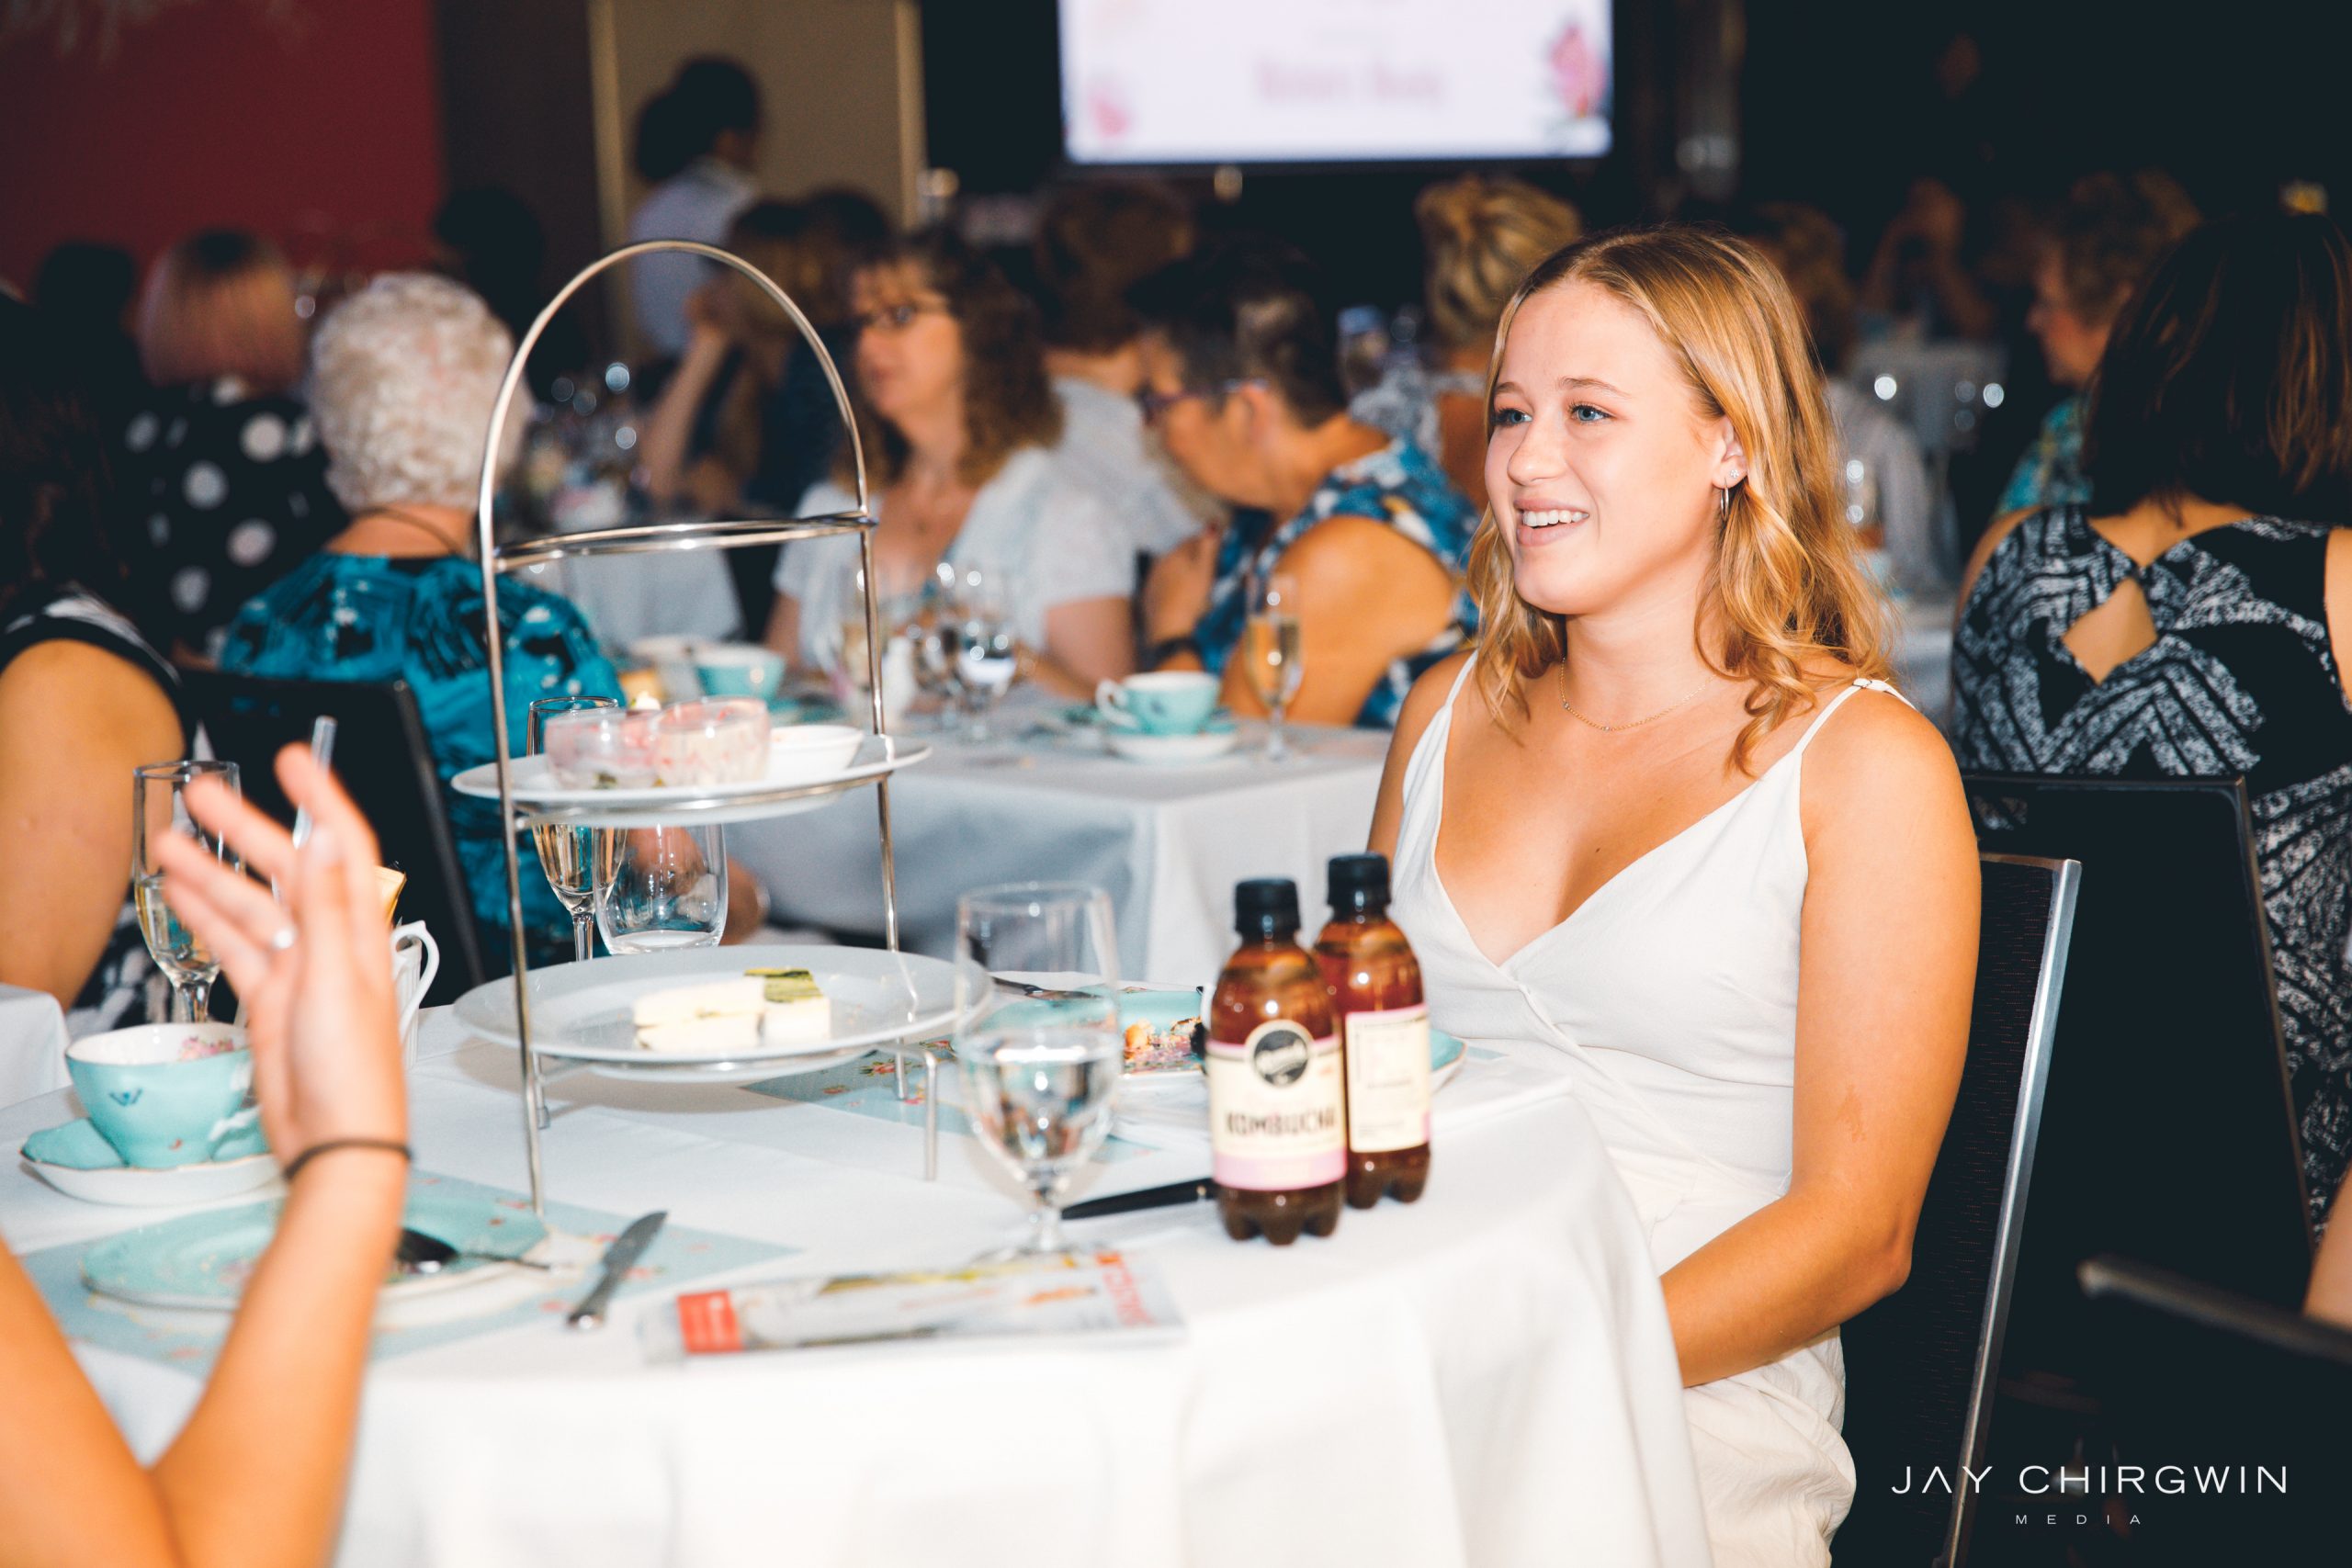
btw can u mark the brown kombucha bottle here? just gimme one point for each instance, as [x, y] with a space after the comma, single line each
[1376, 985]
[1278, 1126]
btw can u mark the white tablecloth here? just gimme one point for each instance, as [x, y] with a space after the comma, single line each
[662, 593]
[1484, 1377]
[1168, 843]
[32, 1043]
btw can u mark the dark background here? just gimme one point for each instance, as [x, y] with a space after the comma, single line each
[1838, 104]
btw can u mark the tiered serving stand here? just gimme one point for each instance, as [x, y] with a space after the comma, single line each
[685, 811]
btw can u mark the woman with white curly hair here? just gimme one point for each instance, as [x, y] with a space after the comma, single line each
[403, 375]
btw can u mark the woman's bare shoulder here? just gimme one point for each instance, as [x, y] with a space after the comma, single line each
[1428, 696]
[1879, 753]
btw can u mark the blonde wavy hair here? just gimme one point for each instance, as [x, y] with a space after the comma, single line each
[1481, 233]
[1788, 583]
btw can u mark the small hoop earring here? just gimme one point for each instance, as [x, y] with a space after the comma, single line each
[1723, 503]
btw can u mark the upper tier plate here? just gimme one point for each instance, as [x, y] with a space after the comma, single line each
[789, 786]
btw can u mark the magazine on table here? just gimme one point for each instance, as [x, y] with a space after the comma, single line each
[1084, 1291]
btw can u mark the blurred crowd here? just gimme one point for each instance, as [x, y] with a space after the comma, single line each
[1117, 433]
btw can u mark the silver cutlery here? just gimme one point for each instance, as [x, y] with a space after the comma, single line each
[418, 1253]
[620, 1258]
[1048, 993]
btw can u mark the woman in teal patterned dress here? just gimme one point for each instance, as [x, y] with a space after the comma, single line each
[1242, 381]
[405, 374]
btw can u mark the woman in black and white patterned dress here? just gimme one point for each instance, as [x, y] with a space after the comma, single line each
[83, 698]
[221, 474]
[2193, 620]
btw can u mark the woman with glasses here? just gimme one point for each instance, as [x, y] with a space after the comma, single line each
[1241, 381]
[956, 414]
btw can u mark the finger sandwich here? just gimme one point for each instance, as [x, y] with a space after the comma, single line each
[764, 1007]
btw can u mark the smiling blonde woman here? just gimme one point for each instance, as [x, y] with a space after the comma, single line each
[1627, 828]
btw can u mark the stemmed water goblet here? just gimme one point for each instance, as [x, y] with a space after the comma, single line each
[1039, 1071]
[988, 654]
[159, 809]
[575, 859]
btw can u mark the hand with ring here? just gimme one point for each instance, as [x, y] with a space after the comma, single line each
[315, 974]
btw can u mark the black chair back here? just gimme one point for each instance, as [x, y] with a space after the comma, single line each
[2246, 1401]
[381, 757]
[2172, 1136]
[1920, 1365]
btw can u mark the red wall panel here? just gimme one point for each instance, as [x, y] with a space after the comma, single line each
[316, 122]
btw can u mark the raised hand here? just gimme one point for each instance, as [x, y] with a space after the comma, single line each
[316, 972]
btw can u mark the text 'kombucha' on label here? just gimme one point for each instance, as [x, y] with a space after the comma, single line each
[1277, 1110]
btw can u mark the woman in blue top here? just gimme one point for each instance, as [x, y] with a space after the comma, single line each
[1243, 382]
[403, 377]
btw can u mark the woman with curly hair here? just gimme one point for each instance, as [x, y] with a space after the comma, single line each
[956, 414]
[1661, 820]
[403, 375]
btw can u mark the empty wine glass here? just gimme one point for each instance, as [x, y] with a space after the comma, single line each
[1039, 1070]
[158, 808]
[1272, 653]
[988, 652]
[668, 889]
[575, 859]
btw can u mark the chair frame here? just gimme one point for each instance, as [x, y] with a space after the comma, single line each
[2041, 1030]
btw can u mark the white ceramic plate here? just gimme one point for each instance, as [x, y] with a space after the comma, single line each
[1135, 746]
[200, 1262]
[580, 1011]
[789, 767]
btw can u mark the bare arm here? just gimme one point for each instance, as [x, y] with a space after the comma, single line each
[783, 627]
[1367, 598]
[1889, 946]
[669, 432]
[1421, 705]
[78, 720]
[255, 1477]
[1087, 641]
[2330, 1296]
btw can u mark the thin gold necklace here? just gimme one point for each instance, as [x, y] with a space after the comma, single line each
[1683, 701]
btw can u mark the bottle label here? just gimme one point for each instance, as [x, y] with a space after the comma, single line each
[1389, 1079]
[1278, 1120]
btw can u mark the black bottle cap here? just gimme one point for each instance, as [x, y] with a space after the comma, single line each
[1266, 907]
[1359, 884]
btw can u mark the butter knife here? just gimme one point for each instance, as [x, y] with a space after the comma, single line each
[625, 1249]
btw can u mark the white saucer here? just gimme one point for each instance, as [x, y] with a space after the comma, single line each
[130, 1186]
[1135, 746]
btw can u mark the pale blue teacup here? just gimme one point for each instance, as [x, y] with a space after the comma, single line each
[165, 1094]
[738, 670]
[1161, 702]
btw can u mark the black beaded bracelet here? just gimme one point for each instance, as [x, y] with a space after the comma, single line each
[1160, 652]
[315, 1150]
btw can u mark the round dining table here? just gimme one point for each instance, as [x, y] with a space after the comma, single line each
[1484, 1377]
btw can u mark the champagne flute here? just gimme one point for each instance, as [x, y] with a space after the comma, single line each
[575, 859]
[1039, 1071]
[668, 889]
[159, 807]
[1272, 649]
